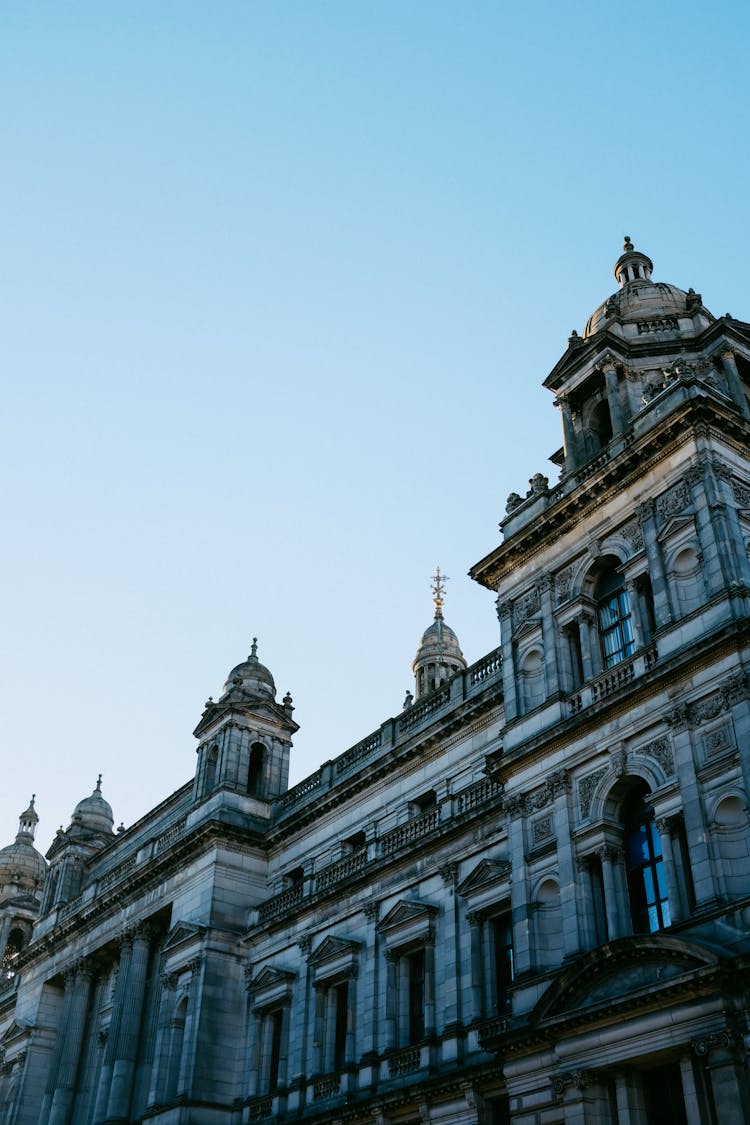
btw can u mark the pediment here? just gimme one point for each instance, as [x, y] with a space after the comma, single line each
[268, 712]
[270, 977]
[271, 988]
[180, 934]
[626, 973]
[531, 624]
[16, 1030]
[406, 913]
[675, 526]
[487, 873]
[333, 949]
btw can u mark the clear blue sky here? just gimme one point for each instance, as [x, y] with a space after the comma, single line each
[279, 284]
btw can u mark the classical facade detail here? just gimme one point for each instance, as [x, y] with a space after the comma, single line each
[524, 896]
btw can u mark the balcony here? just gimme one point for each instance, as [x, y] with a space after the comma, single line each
[612, 681]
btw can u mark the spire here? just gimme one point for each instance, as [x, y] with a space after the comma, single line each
[438, 592]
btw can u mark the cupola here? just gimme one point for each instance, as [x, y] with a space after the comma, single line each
[439, 654]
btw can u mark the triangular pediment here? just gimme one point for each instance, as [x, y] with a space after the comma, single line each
[487, 873]
[624, 974]
[181, 933]
[269, 977]
[333, 948]
[405, 913]
[266, 711]
[14, 1031]
[674, 526]
[532, 624]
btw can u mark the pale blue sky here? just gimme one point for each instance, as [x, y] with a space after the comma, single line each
[279, 285]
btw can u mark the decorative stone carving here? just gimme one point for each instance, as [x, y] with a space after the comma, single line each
[674, 500]
[541, 830]
[586, 788]
[513, 501]
[538, 484]
[661, 751]
[725, 1039]
[633, 534]
[563, 580]
[371, 910]
[448, 873]
[578, 1079]
[526, 605]
[741, 493]
[717, 740]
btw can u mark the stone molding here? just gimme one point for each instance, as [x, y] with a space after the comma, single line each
[690, 715]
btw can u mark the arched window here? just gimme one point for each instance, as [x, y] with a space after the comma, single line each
[255, 769]
[532, 679]
[614, 618]
[688, 580]
[13, 947]
[175, 1049]
[647, 884]
[600, 425]
[211, 762]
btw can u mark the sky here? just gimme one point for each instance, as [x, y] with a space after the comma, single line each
[279, 286]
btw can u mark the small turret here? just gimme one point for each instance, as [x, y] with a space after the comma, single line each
[439, 654]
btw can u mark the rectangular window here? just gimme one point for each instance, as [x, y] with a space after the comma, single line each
[275, 1052]
[342, 1016]
[415, 963]
[501, 935]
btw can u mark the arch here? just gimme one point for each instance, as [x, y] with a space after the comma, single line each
[548, 921]
[531, 667]
[612, 791]
[687, 576]
[212, 760]
[734, 803]
[176, 1046]
[256, 769]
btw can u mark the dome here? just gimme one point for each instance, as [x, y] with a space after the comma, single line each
[642, 305]
[22, 867]
[251, 677]
[438, 640]
[94, 812]
[439, 654]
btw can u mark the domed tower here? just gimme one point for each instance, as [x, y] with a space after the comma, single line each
[90, 829]
[22, 875]
[245, 737]
[439, 654]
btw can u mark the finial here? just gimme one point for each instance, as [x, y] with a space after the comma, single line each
[627, 245]
[438, 591]
[254, 650]
[99, 784]
[31, 802]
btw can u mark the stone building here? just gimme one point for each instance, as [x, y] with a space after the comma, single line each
[525, 898]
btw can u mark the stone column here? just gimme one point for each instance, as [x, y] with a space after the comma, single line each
[549, 636]
[126, 1050]
[254, 1061]
[518, 890]
[391, 998]
[78, 980]
[402, 989]
[350, 1049]
[670, 873]
[284, 1045]
[696, 830]
[631, 1109]
[569, 434]
[110, 1050]
[510, 699]
[635, 614]
[728, 1076]
[646, 513]
[429, 985]
[329, 1048]
[318, 1055]
[585, 623]
[266, 1050]
[611, 907]
[157, 1089]
[476, 1007]
[690, 1093]
[719, 563]
[613, 396]
[560, 786]
[736, 390]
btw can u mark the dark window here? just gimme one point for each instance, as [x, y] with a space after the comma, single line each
[665, 1104]
[647, 885]
[275, 1059]
[614, 618]
[502, 954]
[213, 757]
[415, 963]
[601, 425]
[255, 769]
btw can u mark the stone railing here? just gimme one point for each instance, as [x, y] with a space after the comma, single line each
[622, 674]
[327, 1087]
[485, 668]
[307, 785]
[280, 903]
[261, 1107]
[435, 701]
[404, 1062]
[362, 750]
[116, 873]
[491, 1028]
[410, 831]
[336, 872]
[164, 841]
[478, 794]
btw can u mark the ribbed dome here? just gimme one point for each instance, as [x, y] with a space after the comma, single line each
[22, 867]
[438, 640]
[642, 305]
[251, 677]
[94, 812]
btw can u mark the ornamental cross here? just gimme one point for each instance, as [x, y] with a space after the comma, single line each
[438, 591]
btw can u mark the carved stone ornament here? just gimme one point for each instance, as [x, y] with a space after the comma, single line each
[632, 533]
[371, 910]
[526, 605]
[741, 493]
[538, 484]
[674, 500]
[723, 1039]
[586, 788]
[732, 691]
[660, 749]
[577, 1079]
[513, 502]
[563, 580]
[717, 740]
[541, 830]
[448, 873]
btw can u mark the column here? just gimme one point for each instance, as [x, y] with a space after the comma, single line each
[118, 1002]
[329, 1041]
[318, 1057]
[403, 1030]
[79, 980]
[696, 831]
[126, 1049]
[606, 855]
[391, 998]
[284, 1045]
[549, 636]
[670, 873]
[728, 1079]
[429, 985]
[510, 701]
[560, 785]
[635, 613]
[690, 1093]
[585, 623]
[254, 1062]
[157, 1089]
[719, 563]
[631, 1109]
[646, 513]
[266, 1050]
[476, 1007]
[350, 1049]
[729, 363]
[613, 397]
[518, 891]
[569, 434]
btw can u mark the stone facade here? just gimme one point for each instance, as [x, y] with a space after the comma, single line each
[526, 898]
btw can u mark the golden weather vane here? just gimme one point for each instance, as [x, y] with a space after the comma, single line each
[438, 591]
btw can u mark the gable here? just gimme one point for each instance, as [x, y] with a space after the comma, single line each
[407, 923]
[181, 934]
[14, 1031]
[271, 988]
[488, 873]
[335, 957]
